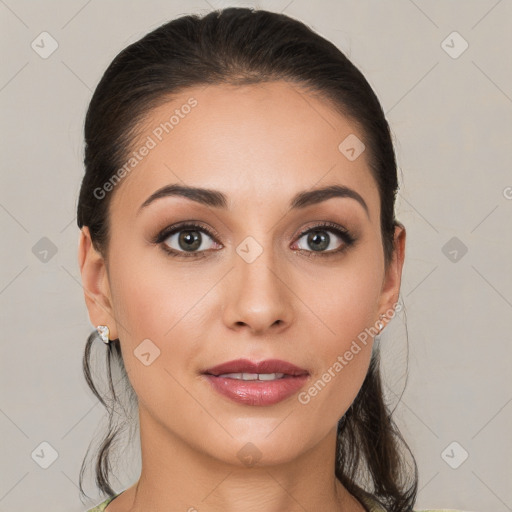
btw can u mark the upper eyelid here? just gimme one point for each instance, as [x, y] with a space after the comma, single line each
[327, 226]
[186, 226]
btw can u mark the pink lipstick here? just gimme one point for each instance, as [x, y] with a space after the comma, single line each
[264, 383]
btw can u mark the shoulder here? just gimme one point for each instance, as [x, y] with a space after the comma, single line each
[101, 507]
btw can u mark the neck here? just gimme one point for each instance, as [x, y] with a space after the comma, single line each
[177, 476]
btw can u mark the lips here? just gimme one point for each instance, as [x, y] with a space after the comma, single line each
[247, 366]
[226, 380]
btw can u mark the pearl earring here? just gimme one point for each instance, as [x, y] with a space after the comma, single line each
[104, 333]
[380, 325]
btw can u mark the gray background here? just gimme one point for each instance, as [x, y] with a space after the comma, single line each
[451, 114]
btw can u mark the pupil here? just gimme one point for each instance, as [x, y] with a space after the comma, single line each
[190, 240]
[318, 240]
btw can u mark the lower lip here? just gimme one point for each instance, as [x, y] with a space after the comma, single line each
[257, 392]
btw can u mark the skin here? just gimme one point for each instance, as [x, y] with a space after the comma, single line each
[259, 145]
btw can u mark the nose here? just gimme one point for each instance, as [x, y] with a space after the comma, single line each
[256, 296]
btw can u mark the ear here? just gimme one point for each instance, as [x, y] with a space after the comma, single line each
[95, 284]
[392, 278]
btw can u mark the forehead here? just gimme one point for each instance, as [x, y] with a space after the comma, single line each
[259, 144]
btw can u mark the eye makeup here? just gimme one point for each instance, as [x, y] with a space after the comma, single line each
[193, 227]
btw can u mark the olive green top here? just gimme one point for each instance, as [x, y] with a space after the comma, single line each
[372, 506]
[101, 507]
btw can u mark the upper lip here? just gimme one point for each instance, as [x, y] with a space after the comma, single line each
[247, 366]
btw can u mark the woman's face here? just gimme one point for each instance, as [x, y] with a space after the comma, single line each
[256, 288]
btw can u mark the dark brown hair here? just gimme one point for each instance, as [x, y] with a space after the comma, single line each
[240, 46]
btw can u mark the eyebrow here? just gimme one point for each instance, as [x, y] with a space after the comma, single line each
[217, 199]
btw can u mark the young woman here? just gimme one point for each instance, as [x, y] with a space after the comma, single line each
[240, 255]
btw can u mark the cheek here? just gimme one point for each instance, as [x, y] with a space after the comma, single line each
[152, 303]
[168, 307]
[346, 301]
[346, 298]
[152, 297]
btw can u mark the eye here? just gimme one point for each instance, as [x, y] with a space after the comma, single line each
[187, 240]
[318, 242]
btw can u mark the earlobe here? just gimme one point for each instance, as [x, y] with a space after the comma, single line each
[95, 283]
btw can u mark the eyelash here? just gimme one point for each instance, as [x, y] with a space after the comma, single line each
[347, 238]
